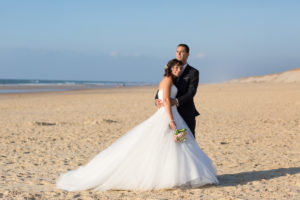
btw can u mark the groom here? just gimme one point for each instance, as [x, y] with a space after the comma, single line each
[187, 84]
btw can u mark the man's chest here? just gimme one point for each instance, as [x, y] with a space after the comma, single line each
[182, 84]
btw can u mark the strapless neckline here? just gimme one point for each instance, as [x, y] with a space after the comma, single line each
[173, 92]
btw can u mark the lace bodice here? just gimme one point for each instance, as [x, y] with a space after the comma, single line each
[173, 92]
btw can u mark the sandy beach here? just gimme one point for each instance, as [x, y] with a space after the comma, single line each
[250, 131]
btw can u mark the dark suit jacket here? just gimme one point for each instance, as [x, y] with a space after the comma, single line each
[187, 85]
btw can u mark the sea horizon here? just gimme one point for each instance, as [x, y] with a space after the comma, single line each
[48, 85]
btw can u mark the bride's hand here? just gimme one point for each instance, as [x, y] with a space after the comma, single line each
[172, 125]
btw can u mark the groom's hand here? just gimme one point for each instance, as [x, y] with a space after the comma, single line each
[173, 102]
[159, 103]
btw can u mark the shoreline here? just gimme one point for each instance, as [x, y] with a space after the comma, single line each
[53, 88]
[45, 88]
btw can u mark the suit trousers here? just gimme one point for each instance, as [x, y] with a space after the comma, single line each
[191, 122]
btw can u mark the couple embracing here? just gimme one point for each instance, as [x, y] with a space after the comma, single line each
[147, 157]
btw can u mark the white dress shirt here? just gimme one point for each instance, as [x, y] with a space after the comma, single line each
[183, 68]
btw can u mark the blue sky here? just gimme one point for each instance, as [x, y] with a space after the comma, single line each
[133, 40]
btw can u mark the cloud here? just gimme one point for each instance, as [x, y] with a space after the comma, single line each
[131, 54]
[127, 54]
[200, 55]
[114, 53]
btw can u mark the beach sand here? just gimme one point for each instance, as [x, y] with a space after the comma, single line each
[250, 131]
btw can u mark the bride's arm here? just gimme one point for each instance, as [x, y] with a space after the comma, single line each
[167, 101]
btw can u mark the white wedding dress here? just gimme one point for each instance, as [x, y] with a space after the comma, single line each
[145, 158]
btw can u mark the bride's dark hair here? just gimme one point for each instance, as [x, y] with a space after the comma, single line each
[168, 67]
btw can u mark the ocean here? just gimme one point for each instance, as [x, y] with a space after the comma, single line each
[38, 85]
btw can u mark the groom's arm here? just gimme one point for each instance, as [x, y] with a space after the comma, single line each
[157, 101]
[192, 89]
[156, 96]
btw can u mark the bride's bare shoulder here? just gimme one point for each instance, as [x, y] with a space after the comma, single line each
[166, 81]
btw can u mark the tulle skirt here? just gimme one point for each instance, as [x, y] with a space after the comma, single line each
[145, 158]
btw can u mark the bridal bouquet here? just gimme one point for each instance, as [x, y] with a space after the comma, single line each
[180, 135]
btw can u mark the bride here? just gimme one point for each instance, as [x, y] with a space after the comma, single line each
[147, 157]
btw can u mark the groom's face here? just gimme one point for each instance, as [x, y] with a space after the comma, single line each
[181, 54]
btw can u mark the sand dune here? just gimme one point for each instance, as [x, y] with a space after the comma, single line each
[291, 76]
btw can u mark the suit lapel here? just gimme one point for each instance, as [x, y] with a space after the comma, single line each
[179, 82]
[183, 74]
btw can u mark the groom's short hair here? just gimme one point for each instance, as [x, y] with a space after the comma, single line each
[187, 49]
